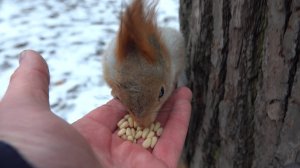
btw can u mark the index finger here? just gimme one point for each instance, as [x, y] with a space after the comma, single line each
[171, 142]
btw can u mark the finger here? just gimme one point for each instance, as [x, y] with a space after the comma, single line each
[108, 114]
[29, 84]
[171, 142]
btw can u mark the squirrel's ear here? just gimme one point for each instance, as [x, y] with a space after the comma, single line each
[125, 40]
[138, 32]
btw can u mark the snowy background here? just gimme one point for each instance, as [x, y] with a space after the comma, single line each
[71, 35]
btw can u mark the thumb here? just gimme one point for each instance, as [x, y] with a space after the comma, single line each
[29, 84]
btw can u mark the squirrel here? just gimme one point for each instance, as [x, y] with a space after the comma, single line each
[144, 62]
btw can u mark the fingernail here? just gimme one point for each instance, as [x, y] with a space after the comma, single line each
[28, 56]
[22, 56]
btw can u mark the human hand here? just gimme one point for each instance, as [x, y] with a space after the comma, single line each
[45, 140]
[99, 128]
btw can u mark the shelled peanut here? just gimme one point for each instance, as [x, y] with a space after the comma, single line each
[129, 130]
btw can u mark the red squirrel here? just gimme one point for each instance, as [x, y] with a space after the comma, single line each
[143, 63]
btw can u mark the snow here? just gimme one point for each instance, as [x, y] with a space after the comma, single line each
[71, 36]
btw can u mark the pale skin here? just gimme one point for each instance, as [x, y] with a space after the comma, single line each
[46, 141]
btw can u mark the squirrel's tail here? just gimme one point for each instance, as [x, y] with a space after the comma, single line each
[139, 32]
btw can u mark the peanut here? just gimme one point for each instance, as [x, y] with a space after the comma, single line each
[138, 134]
[124, 124]
[159, 131]
[121, 132]
[126, 116]
[151, 127]
[130, 138]
[128, 131]
[145, 132]
[147, 143]
[133, 132]
[153, 141]
[121, 122]
[130, 121]
[157, 126]
[151, 134]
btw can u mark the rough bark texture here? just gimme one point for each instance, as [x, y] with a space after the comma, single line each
[244, 71]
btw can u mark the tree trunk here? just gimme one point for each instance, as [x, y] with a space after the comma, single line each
[244, 72]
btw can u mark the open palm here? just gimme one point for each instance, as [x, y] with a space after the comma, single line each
[99, 127]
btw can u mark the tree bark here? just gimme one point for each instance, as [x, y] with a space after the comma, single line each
[244, 72]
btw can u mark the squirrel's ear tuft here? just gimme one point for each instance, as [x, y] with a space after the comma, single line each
[138, 32]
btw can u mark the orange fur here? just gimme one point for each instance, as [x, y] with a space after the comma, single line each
[137, 27]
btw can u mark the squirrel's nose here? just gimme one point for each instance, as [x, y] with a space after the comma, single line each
[144, 121]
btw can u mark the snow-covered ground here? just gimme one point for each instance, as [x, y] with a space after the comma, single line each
[71, 35]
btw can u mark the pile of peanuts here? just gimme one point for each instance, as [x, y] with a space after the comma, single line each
[129, 130]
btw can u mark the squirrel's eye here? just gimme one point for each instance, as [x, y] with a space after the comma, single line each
[162, 92]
